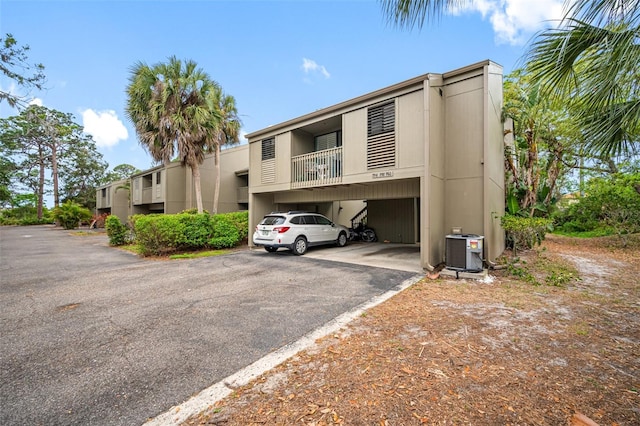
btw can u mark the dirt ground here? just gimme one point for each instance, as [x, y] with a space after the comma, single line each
[554, 334]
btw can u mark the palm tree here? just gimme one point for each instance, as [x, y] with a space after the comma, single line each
[412, 13]
[167, 103]
[592, 60]
[226, 133]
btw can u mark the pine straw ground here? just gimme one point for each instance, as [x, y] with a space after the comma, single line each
[447, 352]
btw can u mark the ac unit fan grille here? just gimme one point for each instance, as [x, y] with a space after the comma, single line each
[456, 254]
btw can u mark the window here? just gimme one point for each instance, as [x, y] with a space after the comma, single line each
[104, 192]
[321, 220]
[147, 181]
[273, 220]
[268, 149]
[328, 141]
[158, 178]
[381, 119]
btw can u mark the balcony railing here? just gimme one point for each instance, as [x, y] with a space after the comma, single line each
[317, 168]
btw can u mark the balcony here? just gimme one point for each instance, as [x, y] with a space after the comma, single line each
[147, 195]
[317, 168]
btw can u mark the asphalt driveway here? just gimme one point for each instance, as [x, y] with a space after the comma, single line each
[95, 335]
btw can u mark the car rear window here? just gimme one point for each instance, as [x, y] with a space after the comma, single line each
[272, 220]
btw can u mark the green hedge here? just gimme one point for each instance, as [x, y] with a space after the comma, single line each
[525, 232]
[225, 234]
[240, 220]
[161, 234]
[117, 232]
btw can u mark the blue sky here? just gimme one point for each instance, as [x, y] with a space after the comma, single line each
[279, 59]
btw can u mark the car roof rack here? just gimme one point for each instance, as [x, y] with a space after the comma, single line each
[294, 212]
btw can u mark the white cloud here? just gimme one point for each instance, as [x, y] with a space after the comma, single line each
[309, 66]
[35, 101]
[105, 127]
[514, 21]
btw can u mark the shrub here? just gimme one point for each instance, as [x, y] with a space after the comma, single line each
[240, 220]
[525, 232]
[611, 203]
[24, 215]
[70, 214]
[162, 234]
[225, 233]
[157, 234]
[117, 231]
[197, 229]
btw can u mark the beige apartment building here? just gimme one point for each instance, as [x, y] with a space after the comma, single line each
[423, 157]
[170, 189]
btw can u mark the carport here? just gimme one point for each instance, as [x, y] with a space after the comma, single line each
[391, 208]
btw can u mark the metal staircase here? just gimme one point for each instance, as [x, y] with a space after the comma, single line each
[359, 218]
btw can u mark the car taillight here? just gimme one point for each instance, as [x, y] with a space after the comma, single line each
[281, 229]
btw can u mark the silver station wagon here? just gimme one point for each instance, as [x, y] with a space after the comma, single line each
[298, 231]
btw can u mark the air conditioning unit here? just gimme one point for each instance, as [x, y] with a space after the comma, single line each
[463, 252]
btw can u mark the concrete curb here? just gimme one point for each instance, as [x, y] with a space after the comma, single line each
[209, 396]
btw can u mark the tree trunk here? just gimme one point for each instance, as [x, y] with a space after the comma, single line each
[40, 182]
[195, 172]
[216, 192]
[54, 174]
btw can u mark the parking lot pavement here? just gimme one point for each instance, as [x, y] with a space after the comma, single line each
[95, 335]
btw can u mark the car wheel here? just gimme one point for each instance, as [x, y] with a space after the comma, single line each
[368, 235]
[342, 240]
[300, 246]
[271, 249]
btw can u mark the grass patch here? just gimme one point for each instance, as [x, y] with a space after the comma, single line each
[199, 254]
[600, 232]
[85, 233]
[133, 248]
[539, 269]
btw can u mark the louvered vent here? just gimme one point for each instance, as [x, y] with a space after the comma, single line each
[381, 136]
[268, 149]
[269, 171]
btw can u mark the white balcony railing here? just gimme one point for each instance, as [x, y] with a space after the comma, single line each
[317, 168]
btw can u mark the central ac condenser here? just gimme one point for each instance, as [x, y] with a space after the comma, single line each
[463, 252]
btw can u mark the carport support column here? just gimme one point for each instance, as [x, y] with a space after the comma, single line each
[431, 180]
[424, 224]
[425, 228]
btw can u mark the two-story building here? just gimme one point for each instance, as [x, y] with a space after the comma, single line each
[170, 189]
[426, 155]
[113, 198]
